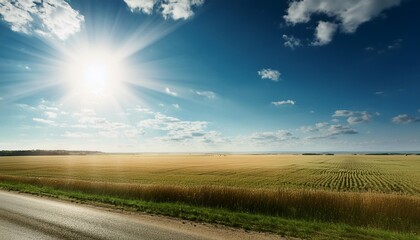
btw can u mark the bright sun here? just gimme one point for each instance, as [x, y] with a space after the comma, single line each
[94, 73]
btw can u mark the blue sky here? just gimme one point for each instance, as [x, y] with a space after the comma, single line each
[210, 75]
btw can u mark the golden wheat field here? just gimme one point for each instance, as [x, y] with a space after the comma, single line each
[361, 173]
[365, 190]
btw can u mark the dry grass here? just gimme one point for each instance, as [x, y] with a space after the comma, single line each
[389, 211]
[379, 191]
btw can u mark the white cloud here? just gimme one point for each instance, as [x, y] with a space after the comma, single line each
[284, 102]
[354, 117]
[316, 128]
[271, 74]
[170, 9]
[324, 33]
[170, 92]
[179, 9]
[404, 119]
[280, 135]
[45, 121]
[348, 14]
[175, 105]
[145, 6]
[291, 42]
[51, 18]
[207, 94]
[180, 131]
[326, 130]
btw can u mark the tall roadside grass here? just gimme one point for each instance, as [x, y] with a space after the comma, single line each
[386, 211]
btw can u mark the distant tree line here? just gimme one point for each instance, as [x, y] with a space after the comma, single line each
[44, 152]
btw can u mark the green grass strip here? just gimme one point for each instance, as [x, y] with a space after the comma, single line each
[255, 222]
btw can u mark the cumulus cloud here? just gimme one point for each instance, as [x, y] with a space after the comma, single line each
[170, 92]
[176, 105]
[324, 33]
[404, 119]
[284, 102]
[170, 9]
[207, 94]
[354, 117]
[326, 130]
[50, 18]
[145, 6]
[291, 42]
[273, 75]
[179, 9]
[348, 15]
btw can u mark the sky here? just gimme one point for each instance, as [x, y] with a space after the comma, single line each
[210, 75]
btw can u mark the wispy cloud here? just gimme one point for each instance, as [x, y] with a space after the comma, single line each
[269, 73]
[77, 135]
[170, 92]
[354, 117]
[48, 18]
[395, 45]
[207, 94]
[348, 15]
[284, 102]
[51, 114]
[176, 105]
[180, 131]
[291, 41]
[327, 130]
[42, 120]
[280, 135]
[404, 119]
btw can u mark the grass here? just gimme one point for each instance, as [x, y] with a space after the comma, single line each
[367, 191]
[256, 222]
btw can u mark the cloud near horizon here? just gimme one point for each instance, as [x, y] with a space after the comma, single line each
[404, 119]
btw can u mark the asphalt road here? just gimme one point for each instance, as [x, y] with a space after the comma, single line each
[24, 216]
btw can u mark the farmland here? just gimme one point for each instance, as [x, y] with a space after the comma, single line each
[371, 191]
[359, 173]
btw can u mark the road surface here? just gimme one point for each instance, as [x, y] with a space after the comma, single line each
[24, 216]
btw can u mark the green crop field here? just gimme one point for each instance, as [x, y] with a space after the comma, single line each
[376, 191]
